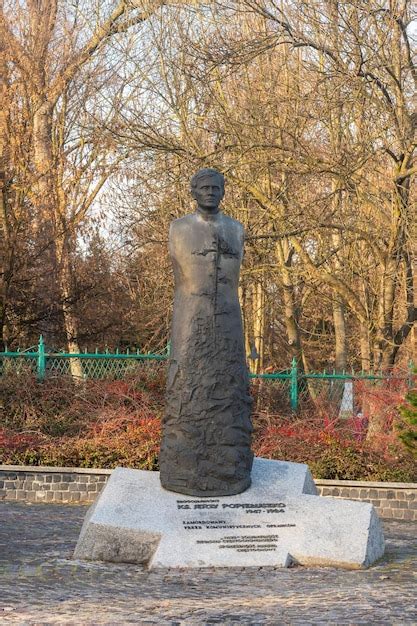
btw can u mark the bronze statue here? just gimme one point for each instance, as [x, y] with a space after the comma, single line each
[205, 449]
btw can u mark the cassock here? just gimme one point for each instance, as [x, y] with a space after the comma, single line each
[206, 435]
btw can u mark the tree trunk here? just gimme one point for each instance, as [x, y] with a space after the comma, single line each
[284, 256]
[5, 252]
[337, 387]
[340, 335]
[258, 325]
[365, 347]
[246, 325]
[51, 205]
[338, 306]
[68, 310]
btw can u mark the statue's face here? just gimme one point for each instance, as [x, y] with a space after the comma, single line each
[208, 192]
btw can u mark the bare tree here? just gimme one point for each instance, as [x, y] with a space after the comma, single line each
[57, 52]
[373, 54]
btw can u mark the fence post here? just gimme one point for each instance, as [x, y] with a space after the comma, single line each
[41, 359]
[294, 385]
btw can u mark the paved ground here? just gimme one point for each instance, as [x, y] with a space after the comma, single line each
[39, 584]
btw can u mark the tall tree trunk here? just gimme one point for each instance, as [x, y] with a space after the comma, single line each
[338, 308]
[396, 256]
[259, 325]
[284, 256]
[51, 206]
[336, 131]
[66, 281]
[6, 255]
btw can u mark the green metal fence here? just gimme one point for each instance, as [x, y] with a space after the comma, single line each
[296, 385]
[43, 362]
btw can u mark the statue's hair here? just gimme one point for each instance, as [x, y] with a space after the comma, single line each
[206, 171]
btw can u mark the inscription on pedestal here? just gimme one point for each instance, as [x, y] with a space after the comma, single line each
[205, 515]
[246, 543]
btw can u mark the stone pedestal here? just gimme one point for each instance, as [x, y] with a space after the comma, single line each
[278, 521]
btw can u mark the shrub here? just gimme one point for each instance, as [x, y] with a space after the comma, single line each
[333, 450]
[407, 423]
[133, 443]
[98, 423]
[107, 423]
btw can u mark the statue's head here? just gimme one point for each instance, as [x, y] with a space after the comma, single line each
[207, 188]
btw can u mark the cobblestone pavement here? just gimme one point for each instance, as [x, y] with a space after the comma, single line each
[40, 584]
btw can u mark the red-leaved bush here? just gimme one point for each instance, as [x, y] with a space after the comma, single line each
[105, 423]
